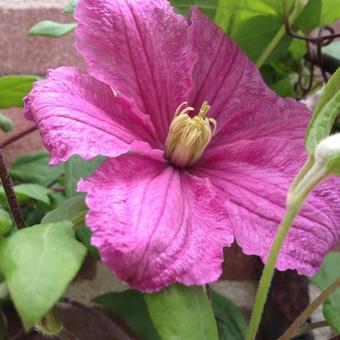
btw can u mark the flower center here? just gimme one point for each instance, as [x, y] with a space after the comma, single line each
[189, 136]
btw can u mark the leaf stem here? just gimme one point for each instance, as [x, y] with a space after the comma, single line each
[289, 333]
[270, 47]
[10, 195]
[268, 273]
[295, 199]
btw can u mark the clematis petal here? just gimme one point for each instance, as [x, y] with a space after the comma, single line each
[256, 176]
[156, 225]
[76, 114]
[270, 117]
[140, 48]
[223, 75]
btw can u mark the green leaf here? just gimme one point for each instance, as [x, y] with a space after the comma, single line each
[34, 168]
[282, 70]
[330, 11]
[14, 88]
[258, 27]
[51, 29]
[69, 210]
[70, 8]
[297, 50]
[75, 168]
[255, 33]
[280, 6]
[6, 123]
[84, 235]
[231, 322]
[26, 192]
[284, 88]
[331, 89]
[180, 312]
[329, 272]
[310, 17]
[322, 124]
[325, 113]
[74, 209]
[331, 312]
[208, 7]
[6, 222]
[231, 14]
[130, 307]
[33, 216]
[299, 7]
[38, 264]
[273, 45]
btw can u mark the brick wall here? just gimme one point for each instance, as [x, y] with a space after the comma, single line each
[20, 54]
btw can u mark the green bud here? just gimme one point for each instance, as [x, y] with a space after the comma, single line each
[6, 123]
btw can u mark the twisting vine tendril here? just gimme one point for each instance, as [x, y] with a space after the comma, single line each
[314, 56]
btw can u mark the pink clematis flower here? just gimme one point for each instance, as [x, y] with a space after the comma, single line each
[199, 150]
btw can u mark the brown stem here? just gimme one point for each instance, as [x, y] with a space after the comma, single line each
[10, 195]
[321, 39]
[319, 58]
[308, 328]
[18, 136]
[289, 333]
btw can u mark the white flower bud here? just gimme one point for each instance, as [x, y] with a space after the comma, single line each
[326, 162]
[328, 149]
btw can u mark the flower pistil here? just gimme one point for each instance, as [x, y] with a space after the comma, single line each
[189, 136]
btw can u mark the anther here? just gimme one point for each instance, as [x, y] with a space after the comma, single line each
[189, 136]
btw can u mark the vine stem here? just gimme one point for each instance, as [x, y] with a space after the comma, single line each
[10, 195]
[290, 332]
[18, 136]
[268, 273]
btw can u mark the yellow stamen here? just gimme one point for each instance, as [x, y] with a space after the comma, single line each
[188, 136]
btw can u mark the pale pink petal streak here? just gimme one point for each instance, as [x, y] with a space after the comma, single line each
[256, 176]
[157, 225]
[140, 48]
[77, 114]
